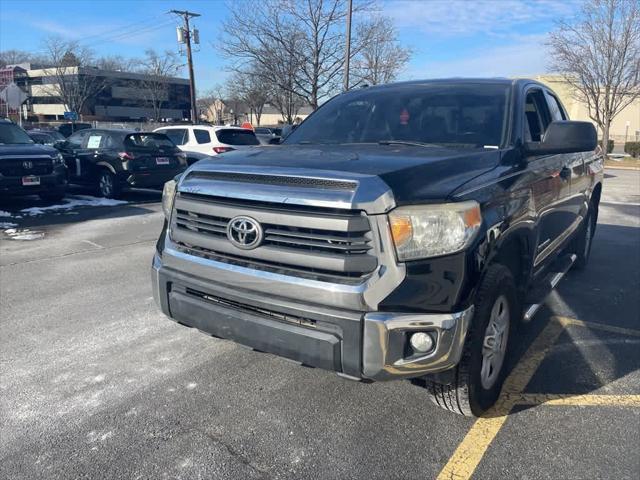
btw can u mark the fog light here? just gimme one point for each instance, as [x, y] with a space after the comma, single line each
[421, 342]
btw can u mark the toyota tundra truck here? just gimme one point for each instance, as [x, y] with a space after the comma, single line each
[401, 231]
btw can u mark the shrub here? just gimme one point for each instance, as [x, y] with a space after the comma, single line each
[610, 146]
[633, 149]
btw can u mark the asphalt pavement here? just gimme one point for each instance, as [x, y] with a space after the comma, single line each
[96, 383]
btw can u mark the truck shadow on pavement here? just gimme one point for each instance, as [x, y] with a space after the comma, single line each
[594, 348]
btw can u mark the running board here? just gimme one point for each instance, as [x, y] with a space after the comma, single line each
[531, 310]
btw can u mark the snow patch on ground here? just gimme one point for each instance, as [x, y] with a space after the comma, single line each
[74, 201]
[23, 234]
[8, 225]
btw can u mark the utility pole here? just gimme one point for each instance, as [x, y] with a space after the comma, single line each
[347, 53]
[186, 15]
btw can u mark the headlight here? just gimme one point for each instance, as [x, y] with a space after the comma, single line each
[58, 159]
[168, 192]
[424, 231]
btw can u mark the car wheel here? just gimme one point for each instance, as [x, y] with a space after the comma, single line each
[107, 185]
[584, 239]
[52, 196]
[477, 380]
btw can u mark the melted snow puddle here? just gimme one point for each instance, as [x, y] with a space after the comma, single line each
[24, 234]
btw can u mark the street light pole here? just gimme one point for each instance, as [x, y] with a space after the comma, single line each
[347, 53]
[186, 15]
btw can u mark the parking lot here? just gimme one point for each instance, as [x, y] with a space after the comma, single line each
[95, 383]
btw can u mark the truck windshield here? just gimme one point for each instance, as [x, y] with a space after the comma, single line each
[13, 134]
[464, 115]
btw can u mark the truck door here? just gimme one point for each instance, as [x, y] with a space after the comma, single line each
[551, 189]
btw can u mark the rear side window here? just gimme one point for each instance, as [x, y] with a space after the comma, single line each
[202, 136]
[148, 140]
[179, 136]
[236, 136]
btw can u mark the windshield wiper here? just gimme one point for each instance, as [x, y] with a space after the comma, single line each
[406, 142]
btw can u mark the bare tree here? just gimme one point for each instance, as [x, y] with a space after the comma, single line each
[275, 35]
[157, 69]
[253, 90]
[382, 57]
[117, 63]
[75, 81]
[12, 57]
[599, 56]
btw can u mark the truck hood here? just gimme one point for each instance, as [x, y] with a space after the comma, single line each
[413, 173]
[23, 150]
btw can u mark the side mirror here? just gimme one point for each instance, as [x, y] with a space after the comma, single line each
[60, 144]
[565, 136]
[274, 141]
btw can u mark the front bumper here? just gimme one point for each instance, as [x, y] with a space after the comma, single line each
[149, 179]
[56, 180]
[360, 344]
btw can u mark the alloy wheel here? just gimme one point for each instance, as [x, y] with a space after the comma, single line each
[494, 344]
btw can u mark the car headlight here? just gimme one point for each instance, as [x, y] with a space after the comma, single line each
[422, 231]
[58, 159]
[168, 193]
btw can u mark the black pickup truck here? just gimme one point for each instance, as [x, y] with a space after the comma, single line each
[400, 232]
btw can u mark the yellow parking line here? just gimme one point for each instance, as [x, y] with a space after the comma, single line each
[469, 453]
[566, 321]
[589, 400]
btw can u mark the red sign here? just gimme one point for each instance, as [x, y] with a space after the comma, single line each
[247, 125]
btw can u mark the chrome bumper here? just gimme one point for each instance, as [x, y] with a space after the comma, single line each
[384, 335]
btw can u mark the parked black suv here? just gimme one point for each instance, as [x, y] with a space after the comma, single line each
[111, 160]
[401, 231]
[27, 168]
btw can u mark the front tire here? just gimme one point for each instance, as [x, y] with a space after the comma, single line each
[107, 185]
[477, 380]
[584, 240]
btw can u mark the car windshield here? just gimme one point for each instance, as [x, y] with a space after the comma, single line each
[13, 134]
[148, 140]
[236, 136]
[463, 115]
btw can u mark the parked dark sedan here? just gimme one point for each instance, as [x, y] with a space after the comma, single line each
[112, 160]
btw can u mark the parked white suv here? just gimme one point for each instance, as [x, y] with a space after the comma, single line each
[210, 140]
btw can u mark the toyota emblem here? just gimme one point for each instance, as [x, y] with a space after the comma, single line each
[244, 232]
[27, 165]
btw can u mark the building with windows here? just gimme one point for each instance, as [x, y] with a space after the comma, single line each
[122, 96]
[625, 126]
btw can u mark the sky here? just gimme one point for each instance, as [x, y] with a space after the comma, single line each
[449, 38]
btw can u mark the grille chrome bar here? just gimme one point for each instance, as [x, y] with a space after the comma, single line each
[320, 240]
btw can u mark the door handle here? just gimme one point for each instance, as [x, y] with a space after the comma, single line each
[565, 174]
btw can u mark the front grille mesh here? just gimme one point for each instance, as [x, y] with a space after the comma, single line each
[295, 242]
[15, 167]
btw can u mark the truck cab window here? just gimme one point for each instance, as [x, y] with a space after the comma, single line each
[537, 116]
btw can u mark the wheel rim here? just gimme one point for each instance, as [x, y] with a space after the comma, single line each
[494, 344]
[106, 185]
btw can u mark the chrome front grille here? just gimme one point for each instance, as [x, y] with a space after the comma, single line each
[297, 240]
